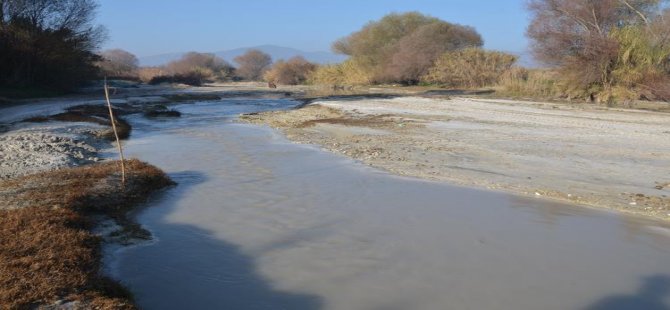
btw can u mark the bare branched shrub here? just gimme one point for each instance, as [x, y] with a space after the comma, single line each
[202, 65]
[295, 71]
[602, 48]
[252, 65]
[118, 63]
[469, 68]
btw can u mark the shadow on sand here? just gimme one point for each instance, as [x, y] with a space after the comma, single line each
[650, 296]
[208, 273]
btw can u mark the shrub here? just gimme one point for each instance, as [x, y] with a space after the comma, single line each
[345, 73]
[535, 83]
[401, 47]
[642, 65]
[605, 50]
[469, 68]
[252, 65]
[195, 68]
[415, 53]
[295, 71]
[146, 74]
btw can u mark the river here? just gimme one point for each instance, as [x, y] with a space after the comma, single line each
[258, 222]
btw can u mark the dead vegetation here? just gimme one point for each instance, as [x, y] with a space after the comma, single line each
[47, 252]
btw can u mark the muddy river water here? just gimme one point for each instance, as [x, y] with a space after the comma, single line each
[257, 222]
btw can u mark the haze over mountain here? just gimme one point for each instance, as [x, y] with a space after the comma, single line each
[277, 52]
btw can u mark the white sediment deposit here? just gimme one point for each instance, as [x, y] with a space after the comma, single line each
[42, 147]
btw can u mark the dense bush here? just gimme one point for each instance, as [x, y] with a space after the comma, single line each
[534, 83]
[415, 53]
[48, 44]
[469, 68]
[348, 72]
[401, 47]
[295, 71]
[606, 50]
[643, 64]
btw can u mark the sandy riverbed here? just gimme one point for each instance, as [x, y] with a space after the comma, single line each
[588, 155]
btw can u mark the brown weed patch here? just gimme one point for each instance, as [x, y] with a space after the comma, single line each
[47, 252]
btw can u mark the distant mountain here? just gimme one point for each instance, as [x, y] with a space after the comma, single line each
[277, 52]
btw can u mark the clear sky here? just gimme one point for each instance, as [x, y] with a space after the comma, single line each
[150, 27]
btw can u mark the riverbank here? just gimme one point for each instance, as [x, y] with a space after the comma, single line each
[60, 200]
[583, 154]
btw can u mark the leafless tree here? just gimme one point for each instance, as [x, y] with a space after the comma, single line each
[119, 63]
[575, 34]
[253, 64]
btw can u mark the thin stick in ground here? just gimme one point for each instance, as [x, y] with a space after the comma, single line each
[118, 141]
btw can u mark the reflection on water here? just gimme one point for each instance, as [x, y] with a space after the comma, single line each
[260, 223]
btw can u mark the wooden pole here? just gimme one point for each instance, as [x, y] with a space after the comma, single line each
[118, 141]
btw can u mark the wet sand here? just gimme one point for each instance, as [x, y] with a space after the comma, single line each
[258, 222]
[582, 154]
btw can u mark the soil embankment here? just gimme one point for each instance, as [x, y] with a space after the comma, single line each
[584, 154]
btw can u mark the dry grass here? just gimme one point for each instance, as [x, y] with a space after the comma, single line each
[536, 83]
[46, 250]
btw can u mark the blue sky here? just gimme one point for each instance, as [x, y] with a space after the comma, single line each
[150, 27]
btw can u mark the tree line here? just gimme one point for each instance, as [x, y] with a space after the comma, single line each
[595, 50]
[48, 43]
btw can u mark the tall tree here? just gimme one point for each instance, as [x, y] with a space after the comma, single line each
[253, 64]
